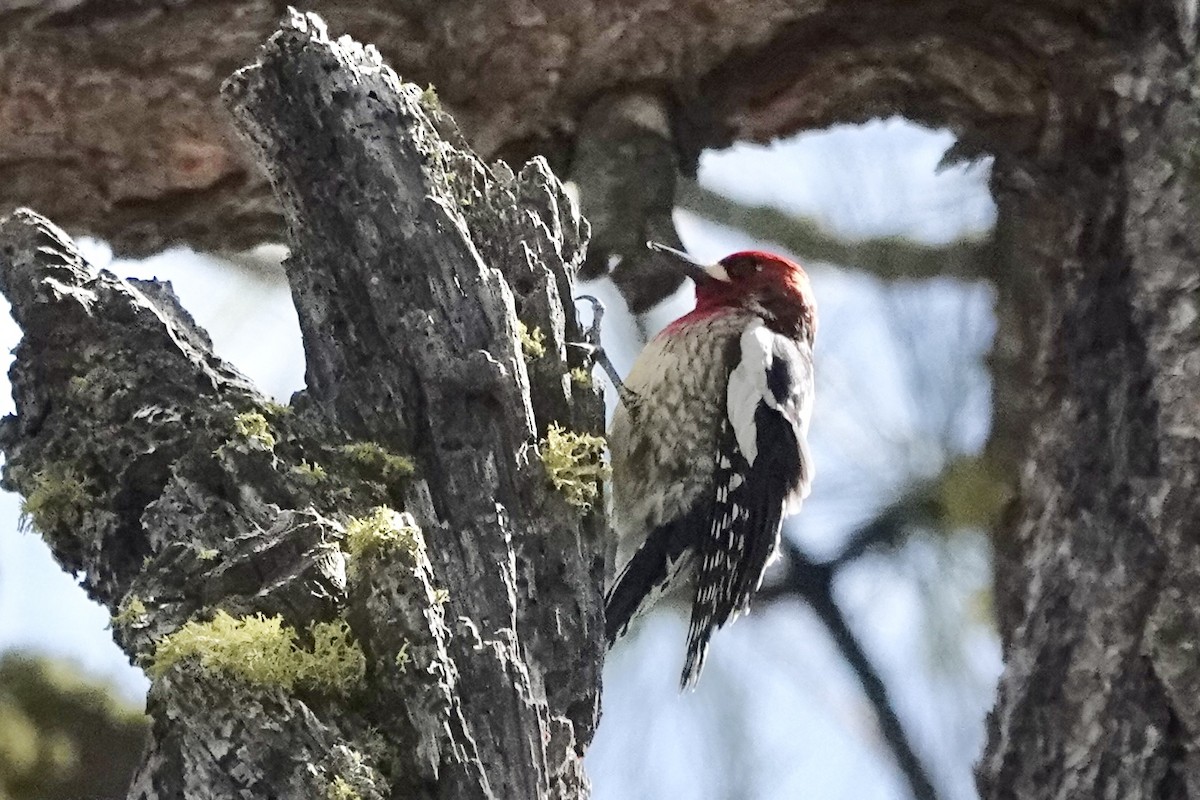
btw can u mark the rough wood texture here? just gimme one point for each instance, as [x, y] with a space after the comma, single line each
[412, 263]
[1099, 695]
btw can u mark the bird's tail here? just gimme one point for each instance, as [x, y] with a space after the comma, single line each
[655, 568]
[697, 652]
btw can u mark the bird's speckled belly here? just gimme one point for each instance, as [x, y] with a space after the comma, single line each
[669, 438]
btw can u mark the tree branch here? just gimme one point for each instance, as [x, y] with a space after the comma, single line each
[969, 492]
[624, 171]
[124, 137]
[813, 583]
[396, 348]
[891, 257]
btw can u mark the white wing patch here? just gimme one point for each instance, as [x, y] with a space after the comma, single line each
[790, 394]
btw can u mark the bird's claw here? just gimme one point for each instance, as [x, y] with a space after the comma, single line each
[592, 335]
[591, 344]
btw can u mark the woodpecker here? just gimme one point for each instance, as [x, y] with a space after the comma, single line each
[709, 449]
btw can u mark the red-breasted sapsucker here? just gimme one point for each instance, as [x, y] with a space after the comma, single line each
[708, 446]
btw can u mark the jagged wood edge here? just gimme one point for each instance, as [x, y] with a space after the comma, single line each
[179, 729]
[404, 251]
[115, 383]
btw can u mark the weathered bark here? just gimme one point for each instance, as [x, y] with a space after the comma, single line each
[411, 264]
[1099, 695]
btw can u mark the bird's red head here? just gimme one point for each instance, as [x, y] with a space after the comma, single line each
[771, 286]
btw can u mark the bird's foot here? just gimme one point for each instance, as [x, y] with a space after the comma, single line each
[594, 350]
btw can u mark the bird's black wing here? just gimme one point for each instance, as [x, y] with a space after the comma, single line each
[763, 468]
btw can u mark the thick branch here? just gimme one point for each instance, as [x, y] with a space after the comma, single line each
[624, 170]
[412, 342]
[1101, 565]
[127, 447]
[110, 122]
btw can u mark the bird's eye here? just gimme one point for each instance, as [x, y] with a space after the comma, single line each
[741, 267]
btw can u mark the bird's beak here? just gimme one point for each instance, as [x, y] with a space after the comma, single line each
[698, 272]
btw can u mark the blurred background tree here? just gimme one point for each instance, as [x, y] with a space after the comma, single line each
[63, 734]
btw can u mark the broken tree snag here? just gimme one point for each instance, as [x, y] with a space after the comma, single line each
[377, 591]
[176, 492]
[411, 264]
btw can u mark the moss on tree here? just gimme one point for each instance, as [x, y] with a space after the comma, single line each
[254, 426]
[575, 464]
[58, 499]
[381, 531]
[263, 651]
[533, 341]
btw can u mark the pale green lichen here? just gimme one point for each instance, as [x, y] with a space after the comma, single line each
[581, 377]
[311, 472]
[430, 99]
[263, 651]
[403, 659]
[353, 776]
[253, 426]
[207, 553]
[376, 463]
[77, 386]
[58, 499]
[131, 612]
[340, 789]
[575, 464]
[381, 531]
[441, 596]
[100, 383]
[533, 341]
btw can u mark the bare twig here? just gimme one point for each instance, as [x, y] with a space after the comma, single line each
[813, 583]
[887, 256]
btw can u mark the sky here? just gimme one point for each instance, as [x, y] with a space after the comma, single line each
[901, 388]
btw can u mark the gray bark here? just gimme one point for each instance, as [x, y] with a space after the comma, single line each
[1099, 695]
[145, 157]
[411, 265]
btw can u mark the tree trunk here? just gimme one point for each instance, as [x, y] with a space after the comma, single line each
[441, 597]
[1099, 698]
